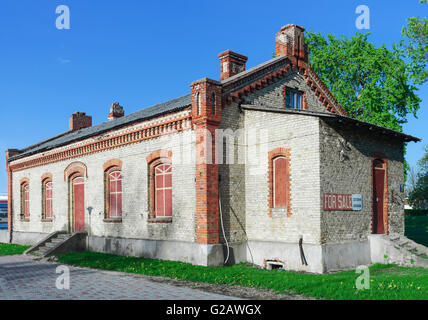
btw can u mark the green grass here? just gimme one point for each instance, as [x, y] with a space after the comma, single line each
[386, 281]
[7, 249]
[417, 229]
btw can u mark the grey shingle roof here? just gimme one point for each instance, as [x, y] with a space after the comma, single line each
[72, 136]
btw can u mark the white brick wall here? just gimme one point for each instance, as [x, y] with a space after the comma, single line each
[135, 194]
[300, 134]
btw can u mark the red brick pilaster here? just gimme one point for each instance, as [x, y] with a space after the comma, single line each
[206, 117]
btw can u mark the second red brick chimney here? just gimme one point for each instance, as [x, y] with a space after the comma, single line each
[231, 63]
[80, 120]
[290, 41]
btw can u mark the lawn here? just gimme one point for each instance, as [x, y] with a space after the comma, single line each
[7, 249]
[417, 229]
[386, 281]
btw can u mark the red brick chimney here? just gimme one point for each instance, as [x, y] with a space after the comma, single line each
[290, 41]
[80, 120]
[116, 111]
[231, 63]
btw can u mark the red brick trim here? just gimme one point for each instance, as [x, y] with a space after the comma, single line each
[113, 163]
[75, 168]
[237, 94]
[322, 92]
[46, 176]
[154, 159]
[24, 181]
[158, 154]
[271, 156]
[108, 143]
[381, 156]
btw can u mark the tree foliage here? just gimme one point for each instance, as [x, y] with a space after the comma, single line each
[372, 84]
[415, 47]
[418, 196]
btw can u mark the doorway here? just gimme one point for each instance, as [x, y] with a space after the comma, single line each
[78, 204]
[379, 177]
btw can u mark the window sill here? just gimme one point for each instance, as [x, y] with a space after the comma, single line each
[159, 220]
[47, 220]
[113, 220]
[25, 219]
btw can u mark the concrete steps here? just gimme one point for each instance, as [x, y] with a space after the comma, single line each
[58, 243]
[397, 249]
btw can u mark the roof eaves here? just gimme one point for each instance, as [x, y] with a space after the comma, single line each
[336, 118]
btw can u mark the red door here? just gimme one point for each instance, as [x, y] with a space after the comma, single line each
[378, 197]
[79, 204]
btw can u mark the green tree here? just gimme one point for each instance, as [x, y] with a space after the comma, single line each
[418, 196]
[372, 84]
[415, 47]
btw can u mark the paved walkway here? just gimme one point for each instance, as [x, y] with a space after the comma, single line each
[21, 278]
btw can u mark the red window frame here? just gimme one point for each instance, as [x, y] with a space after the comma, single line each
[47, 199]
[114, 192]
[163, 190]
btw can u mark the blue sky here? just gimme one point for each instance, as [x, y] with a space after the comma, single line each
[144, 52]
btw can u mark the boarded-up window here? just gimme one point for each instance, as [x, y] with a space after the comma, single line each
[47, 201]
[163, 190]
[280, 182]
[25, 191]
[115, 194]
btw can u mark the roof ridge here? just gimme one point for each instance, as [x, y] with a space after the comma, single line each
[137, 116]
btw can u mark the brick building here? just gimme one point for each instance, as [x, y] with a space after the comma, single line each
[263, 166]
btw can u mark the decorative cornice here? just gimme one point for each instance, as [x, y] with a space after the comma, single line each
[252, 77]
[323, 93]
[108, 143]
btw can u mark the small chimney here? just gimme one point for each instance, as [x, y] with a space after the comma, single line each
[290, 41]
[231, 63]
[116, 111]
[80, 120]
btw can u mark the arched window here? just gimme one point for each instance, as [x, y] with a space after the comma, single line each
[25, 200]
[279, 177]
[159, 166]
[163, 190]
[114, 195]
[113, 190]
[213, 106]
[47, 188]
[280, 183]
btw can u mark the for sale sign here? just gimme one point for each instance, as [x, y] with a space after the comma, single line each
[343, 202]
